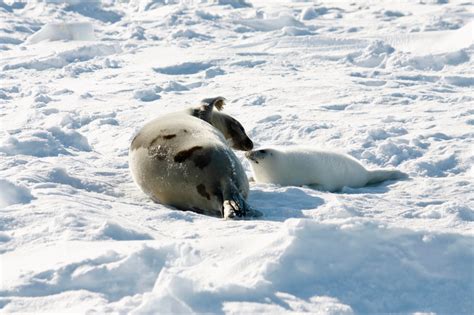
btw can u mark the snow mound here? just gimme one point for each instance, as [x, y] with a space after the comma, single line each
[248, 63]
[311, 13]
[41, 143]
[391, 151]
[114, 231]
[72, 2]
[213, 72]
[295, 31]
[339, 260]
[236, 4]
[184, 68]
[460, 81]
[75, 120]
[62, 59]
[456, 213]
[271, 24]
[333, 261]
[375, 55]
[63, 31]
[440, 167]
[393, 14]
[7, 93]
[432, 62]
[147, 5]
[148, 94]
[189, 34]
[120, 274]
[69, 302]
[60, 175]
[11, 193]
[173, 86]
[9, 40]
[94, 10]
[436, 42]
[4, 238]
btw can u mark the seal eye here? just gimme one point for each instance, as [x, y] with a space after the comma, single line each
[263, 151]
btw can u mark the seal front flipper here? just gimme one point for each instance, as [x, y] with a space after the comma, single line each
[238, 208]
[231, 210]
[234, 205]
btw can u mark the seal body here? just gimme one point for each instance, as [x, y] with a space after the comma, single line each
[183, 161]
[325, 170]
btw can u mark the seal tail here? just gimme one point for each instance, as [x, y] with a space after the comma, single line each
[378, 176]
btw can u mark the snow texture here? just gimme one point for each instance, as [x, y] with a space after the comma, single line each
[63, 31]
[389, 83]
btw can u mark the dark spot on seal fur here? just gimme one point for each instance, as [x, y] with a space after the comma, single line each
[182, 156]
[158, 152]
[203, 192]
[139, 141]
[203, 159]
[167, 137]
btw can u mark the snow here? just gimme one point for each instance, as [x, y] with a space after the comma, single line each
[11, 194]
[63, 31]
[389, 83]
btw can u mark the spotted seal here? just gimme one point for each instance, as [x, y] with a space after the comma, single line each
[184, 160]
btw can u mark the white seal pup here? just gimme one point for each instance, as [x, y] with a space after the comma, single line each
[324, 170]
[183, 160]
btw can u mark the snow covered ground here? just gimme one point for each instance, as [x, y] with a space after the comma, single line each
[388, 82]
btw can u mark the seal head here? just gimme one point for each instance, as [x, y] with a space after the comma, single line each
[258, 155]
[231, 129]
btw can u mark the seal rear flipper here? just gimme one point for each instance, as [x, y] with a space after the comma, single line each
[204, 111]
[378, 176]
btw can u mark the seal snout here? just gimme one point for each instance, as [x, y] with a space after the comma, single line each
[255, 155]
[247, 145]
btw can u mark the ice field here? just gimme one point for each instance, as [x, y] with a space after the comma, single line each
[390, 83]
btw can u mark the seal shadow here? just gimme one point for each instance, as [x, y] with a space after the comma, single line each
[282, 203]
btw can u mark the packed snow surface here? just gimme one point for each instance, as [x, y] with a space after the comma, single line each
[388, 82]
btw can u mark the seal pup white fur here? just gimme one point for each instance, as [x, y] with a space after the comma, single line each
[324, 170]
[183, 159]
